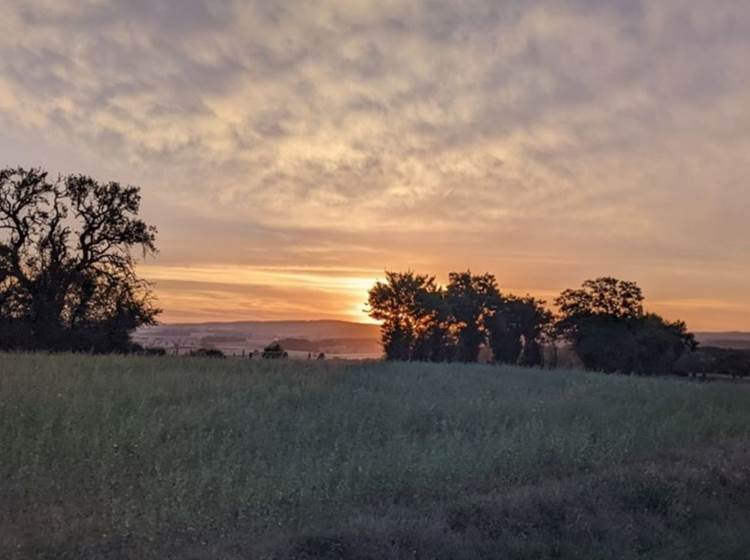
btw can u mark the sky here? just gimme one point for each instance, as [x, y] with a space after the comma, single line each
[289, 152]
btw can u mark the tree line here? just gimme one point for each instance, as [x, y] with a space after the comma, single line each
[603, 321]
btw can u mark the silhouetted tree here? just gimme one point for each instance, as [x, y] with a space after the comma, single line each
[603, 343]
[504, 336]
[472, 300]
[434, 339]
[606, 324]
[604, 321]
[515, 330]
[660, 344]
[409, 306]
[711, 359]
[729, 361]
[423, 321]
[608, 297]
[697, 362]
[67, 277]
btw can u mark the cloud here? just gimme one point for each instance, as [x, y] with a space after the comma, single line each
[600, 132]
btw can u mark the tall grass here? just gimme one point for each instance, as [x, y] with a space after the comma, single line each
[117, 450]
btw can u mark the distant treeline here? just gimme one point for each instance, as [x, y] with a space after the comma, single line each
[603, 321]
[733, 362]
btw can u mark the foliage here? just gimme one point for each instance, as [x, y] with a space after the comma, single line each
[607, 297]
[713, 360]
[516, 329]
[67, 277]
[472, 300]
[604, 321]
[176, 457]
[660, 344]
[414, 315]
[422, 321]
[729, 361]
[609, 330]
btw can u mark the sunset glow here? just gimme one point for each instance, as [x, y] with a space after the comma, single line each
[236, 292]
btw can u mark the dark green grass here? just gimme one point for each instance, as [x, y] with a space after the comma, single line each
[168, 457]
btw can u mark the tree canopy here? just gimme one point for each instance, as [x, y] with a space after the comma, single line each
[606, 296]
[424, 321]
[472, 300]
[604, 322]
[515, 331]
[609, 330]
[67, 271]
[411, 308]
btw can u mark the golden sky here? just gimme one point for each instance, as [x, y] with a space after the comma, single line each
[291, 151]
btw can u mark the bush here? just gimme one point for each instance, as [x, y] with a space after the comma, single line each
[274, 351]
[207, 353]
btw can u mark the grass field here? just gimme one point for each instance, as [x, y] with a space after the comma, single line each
[121, 457]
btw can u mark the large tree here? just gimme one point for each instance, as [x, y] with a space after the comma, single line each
[434, 339]
[472, 300]
[409, 306]
[605, 296]
[426, 322]
[67, 271]
[606, 324]
[516, 328]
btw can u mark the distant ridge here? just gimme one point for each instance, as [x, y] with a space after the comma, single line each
[343, 337]
[729, 339]
[729, 334]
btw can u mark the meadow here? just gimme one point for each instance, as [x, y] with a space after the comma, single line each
[136, 457]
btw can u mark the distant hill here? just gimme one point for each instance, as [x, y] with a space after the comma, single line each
[336, 337]
[738, 340]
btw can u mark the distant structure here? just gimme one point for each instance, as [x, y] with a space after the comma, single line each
[274, 351]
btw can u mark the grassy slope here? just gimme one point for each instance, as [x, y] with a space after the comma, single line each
[139, 457]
